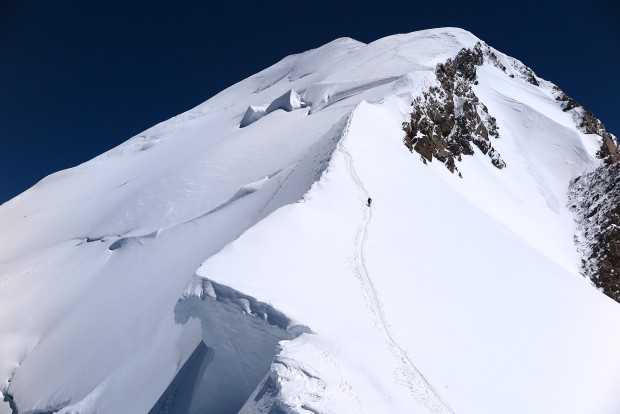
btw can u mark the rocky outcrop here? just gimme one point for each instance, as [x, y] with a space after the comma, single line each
[449, 118]
[589, 124]
[595, 199]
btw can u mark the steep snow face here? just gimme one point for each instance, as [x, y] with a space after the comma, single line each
[226, 259]
[505, 336]
[219, 378]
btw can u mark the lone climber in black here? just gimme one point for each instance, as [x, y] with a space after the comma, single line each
[369, 201]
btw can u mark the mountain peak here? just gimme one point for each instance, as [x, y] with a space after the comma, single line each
[399, 226]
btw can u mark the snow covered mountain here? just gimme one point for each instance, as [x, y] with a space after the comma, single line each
[230, 260]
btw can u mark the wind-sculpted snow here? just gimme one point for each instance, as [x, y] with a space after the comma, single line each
[253, 114]
[132, 239]
[228, 259]
[288, 102]
[321, 95]
[224, 369]
[141, 268]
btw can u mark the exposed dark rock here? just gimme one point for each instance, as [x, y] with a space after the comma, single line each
[589, 124]
[595, 199]
[523, 72]
[448, 118]
[494, 60]
[528, 75]
[567, 102]
[608, 151]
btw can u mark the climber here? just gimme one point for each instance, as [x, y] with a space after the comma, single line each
[369, 201]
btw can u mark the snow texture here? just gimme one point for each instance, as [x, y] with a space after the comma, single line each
[226, 260]
[253, 114]
[288, 102]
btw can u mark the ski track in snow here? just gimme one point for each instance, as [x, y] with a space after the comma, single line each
[413, 379]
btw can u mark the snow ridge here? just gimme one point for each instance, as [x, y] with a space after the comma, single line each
[413, 378]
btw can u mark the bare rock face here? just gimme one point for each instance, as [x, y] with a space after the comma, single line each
[589, 124]
[518, 69]
[447, 119]
[595, 199]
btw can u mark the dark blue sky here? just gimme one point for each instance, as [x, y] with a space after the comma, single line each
[78, 77]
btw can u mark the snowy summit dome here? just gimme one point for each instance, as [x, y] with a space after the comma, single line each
[230, 260]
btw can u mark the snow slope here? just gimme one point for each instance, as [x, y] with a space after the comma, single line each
[226, 260]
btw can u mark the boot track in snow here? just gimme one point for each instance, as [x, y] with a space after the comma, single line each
[413, 379]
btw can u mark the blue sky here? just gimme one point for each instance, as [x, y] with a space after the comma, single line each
[80, 77]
